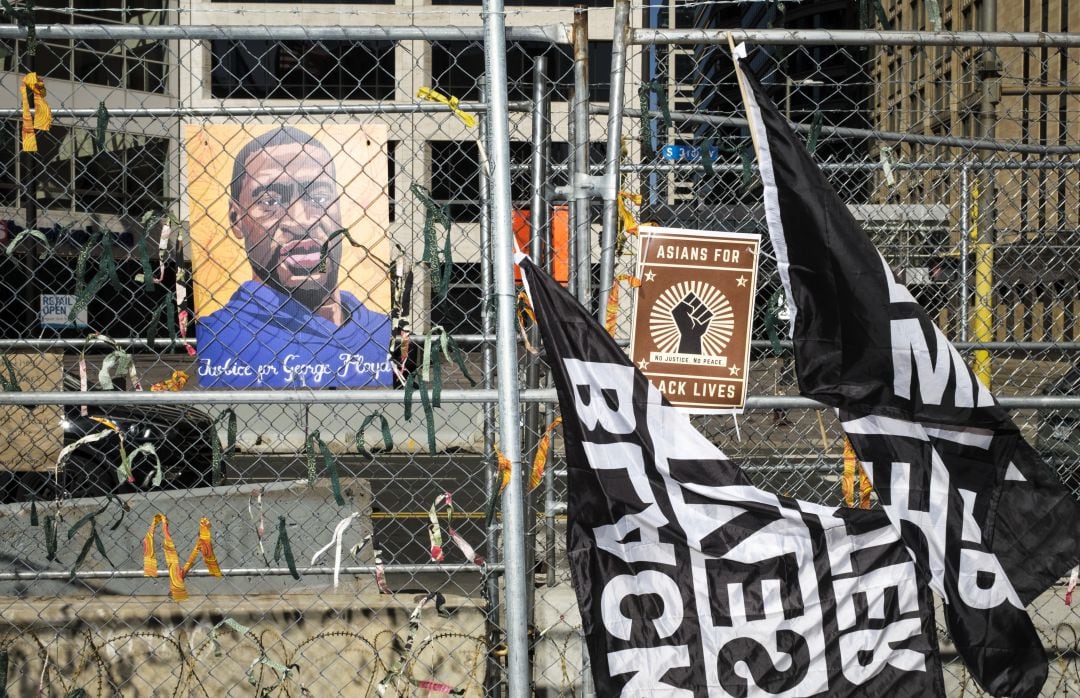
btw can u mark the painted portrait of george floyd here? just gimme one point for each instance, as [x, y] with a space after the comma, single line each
[282, 299]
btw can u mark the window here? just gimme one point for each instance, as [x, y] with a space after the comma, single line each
[455, 178]
[455, 174]
[459, 313]
[294, 2]
[126, 176]
[70, 172]
[9, 159]
[132, 64]
[457, 67]
[302, 69]
[526, 3]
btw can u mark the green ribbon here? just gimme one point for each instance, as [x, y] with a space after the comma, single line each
[772, 313]
[866, 18]
[106, 272]
[388, 441]
[450, 349]
[144, 259]
[706, 156]
[644, 91]
[414, 382]
[879, 10]
[933, 13]
[440, 265]
[168, 305]
[3, 673]
[329, 462]
[283, 548]
[25, 17]
[92, 539]
[76, 693]
[33, 513]
[219, 456]
[10, 382]
[102, 128]
[646, 121]
[746, 155]
[324, 252]
[124, 470]
[50, 539]
[115, 364]
[815, 132]
[23, 234]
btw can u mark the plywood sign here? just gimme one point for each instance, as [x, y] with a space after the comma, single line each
[693, 314]
[31, 439]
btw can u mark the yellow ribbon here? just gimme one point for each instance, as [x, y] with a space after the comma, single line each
[847, 485]
[504, 469]
[42, 118]
[177, 589]
[433, 95]
[613, 300]
[539, 460]
[204, 546]
[629, 223]
[173, 383]
[525, 312]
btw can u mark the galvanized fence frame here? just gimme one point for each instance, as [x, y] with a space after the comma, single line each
[499, 337]
[978, 343]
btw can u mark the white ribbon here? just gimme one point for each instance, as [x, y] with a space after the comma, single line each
[335, 542]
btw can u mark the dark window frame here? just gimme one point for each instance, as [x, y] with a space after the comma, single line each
[331, 70]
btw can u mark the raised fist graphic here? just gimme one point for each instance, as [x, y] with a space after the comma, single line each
[692, 318]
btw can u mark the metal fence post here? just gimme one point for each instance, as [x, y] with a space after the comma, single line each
[498, 146]
[539, 244]
[983, 322]
[614, 150]
[965, 247]
[493, 677]
[579, 116]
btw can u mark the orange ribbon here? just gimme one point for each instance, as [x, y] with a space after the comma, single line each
[613, 300]
[851, 465]
[174, 383]
[525, 312]
[203, 546]
[42, 117]
[539, 460]
[630, 225]
[504, 469]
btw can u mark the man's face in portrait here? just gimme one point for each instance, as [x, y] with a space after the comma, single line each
[286, 209]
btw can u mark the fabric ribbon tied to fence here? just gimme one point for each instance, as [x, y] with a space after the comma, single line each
[203, 546]
[329, 462]
[41, 120]
[851, 467]
[432, 95]
[613, 299]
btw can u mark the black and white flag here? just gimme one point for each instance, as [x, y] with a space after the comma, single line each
[983, 516]
[693, 583]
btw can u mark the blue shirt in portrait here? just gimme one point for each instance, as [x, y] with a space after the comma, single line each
[264, 339]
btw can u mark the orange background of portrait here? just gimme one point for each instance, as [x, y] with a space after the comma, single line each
[218, 259]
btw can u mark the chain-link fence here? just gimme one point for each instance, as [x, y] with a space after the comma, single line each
[175, 261]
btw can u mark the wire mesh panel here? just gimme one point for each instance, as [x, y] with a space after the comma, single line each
[255, 254]
[261, 257]
[959, 160]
